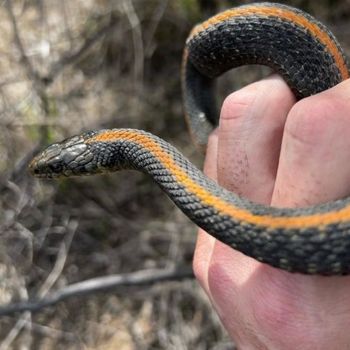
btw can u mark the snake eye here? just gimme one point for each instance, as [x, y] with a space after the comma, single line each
[56, 168]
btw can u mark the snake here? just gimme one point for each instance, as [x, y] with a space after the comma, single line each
[309, 240]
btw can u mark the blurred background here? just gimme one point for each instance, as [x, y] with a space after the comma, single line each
[68, 66]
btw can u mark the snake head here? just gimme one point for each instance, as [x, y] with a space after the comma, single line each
[70, 157]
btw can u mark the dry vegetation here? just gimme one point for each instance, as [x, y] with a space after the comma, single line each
[68, 66]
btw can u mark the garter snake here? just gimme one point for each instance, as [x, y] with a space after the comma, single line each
[313, 240]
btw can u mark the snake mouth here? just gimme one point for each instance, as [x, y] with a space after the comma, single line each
[39, 167]
[35, 171]
[45, 176]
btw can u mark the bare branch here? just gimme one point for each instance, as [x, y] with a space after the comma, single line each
[46, 331]
[71, 58]
[158, 14]
[32, 74]
[137, 41]
[60, 261]
[46, 286]
[24, 320]
[99, 284]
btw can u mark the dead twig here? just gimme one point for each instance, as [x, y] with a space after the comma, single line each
[135, 25]
[46, 331]
[60, 261]
[12, 335]
[99, 284]
[46, 286]
[156, 19]
[72, 58]
[31, 72]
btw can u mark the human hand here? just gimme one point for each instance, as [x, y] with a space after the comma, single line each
[277, 152]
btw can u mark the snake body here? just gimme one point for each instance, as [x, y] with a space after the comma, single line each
[314, 240]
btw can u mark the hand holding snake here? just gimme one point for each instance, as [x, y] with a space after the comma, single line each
[313, 240]
[259, 305]
[263, 307]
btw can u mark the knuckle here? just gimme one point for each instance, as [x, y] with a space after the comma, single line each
[236, 104]
[310, 120]
[254, 98]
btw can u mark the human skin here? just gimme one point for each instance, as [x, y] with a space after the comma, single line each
[274, 150]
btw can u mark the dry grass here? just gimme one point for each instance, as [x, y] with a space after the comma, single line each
[68, 66]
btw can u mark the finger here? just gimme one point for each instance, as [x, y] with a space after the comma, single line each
[250, 136]
[250, 133]
[205, 242]
[240, 112]
[313, 168]
[314, 165]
